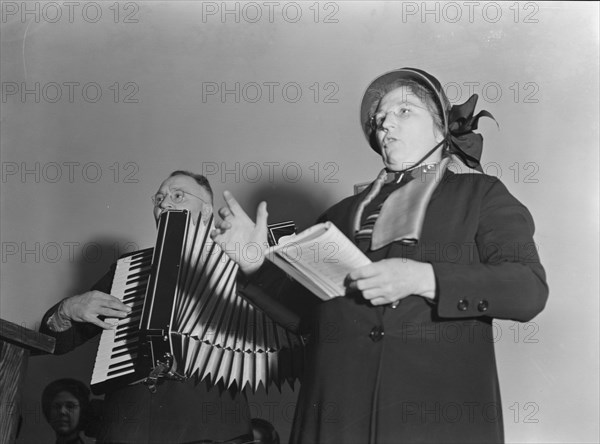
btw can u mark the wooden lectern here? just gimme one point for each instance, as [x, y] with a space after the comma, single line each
[16, 342]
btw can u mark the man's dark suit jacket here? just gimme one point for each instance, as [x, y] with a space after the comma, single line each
[179, 412]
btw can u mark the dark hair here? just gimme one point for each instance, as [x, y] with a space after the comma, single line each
[199, 178]
[77, 388]
[264, 430]
[420, 91]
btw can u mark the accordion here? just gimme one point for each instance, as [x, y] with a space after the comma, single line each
[187, 319]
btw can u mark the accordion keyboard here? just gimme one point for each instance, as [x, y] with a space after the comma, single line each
[117, 350]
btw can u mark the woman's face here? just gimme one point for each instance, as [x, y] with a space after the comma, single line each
[405, 129]
[65, 413]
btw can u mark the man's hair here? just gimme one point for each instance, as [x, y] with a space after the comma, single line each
[199, 178]
[77, 388]
[422, 93]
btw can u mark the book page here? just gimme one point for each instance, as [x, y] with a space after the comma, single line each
[319, 258]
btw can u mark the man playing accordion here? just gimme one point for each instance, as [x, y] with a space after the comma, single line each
[179, 411]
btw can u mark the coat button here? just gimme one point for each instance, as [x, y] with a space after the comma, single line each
[462, 305]
[482, 306]
[376, 334]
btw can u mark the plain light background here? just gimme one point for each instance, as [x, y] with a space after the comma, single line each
[264, 99]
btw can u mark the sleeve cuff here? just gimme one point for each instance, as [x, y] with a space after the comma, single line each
[58, 322]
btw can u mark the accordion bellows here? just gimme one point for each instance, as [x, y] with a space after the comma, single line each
[193, 323]
[220, 335]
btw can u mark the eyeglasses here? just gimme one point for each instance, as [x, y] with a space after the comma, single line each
[376, 120]
[177, 197]
[69, 405]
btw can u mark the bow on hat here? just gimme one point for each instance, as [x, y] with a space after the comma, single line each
[461, 139]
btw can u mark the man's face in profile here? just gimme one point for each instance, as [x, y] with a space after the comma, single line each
[183, 193]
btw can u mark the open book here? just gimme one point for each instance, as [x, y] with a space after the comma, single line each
[319, 258]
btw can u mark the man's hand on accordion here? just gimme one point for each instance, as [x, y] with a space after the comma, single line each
[89, 306]
[244, 241]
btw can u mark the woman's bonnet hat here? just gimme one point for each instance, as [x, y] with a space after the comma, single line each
[458, 121]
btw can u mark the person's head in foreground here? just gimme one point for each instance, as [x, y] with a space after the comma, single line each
[65, 404]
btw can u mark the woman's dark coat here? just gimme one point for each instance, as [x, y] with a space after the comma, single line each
[425, 371]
